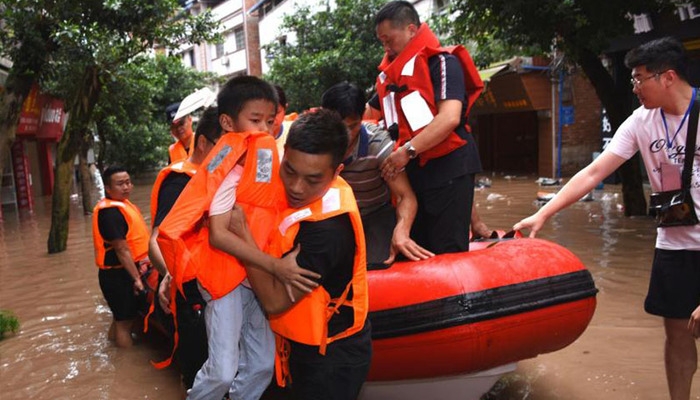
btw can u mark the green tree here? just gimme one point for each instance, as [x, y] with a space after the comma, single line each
[582, 30]
[94, 39]
[326, 47]
[130, 116]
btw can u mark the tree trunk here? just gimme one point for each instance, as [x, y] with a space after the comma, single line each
[613, 98]
[73, 138]
[87, 184]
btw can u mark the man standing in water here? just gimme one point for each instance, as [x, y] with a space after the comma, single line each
[658, 130]
[120, 236]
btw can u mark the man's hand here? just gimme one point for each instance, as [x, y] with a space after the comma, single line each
[164, 293]
[287, 271]
[694, 323]
[138, 287]
[534, 222]
[402, 243]
[395, 163]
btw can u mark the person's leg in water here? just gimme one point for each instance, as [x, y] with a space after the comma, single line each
[122, 333]
[681, 358]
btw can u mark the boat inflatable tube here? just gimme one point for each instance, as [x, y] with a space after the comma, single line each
[504, 301]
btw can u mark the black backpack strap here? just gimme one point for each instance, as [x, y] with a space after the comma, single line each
[690, 142]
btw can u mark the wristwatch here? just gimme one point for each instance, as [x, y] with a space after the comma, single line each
[410, 150]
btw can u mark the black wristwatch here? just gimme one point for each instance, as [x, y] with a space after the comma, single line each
[410, 150]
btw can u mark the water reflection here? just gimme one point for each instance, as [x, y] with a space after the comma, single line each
[62, 349]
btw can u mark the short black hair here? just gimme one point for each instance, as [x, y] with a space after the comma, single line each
[400, 13]
[659, 56]
[319, 132]
[239, 90]
[208, 125]
[281, 96]
[344, 98]
[109, 171]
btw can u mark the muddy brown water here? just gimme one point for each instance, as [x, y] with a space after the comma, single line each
[62, 351]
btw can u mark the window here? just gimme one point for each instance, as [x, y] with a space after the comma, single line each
[239, 36]
[440, 6]
[218, 50]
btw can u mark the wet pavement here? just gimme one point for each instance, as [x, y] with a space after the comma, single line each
[62, 351]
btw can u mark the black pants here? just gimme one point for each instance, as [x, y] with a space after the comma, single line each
[339, 375]
[192, 349]
[443, 217]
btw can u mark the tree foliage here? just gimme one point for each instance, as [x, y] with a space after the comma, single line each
[130, 117]
[325, 47]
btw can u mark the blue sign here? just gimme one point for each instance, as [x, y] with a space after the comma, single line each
[567, 115]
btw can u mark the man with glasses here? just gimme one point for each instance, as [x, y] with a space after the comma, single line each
[192, 349]
[658, 130]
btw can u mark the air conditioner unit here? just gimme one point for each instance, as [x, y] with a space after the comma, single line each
[225, 60]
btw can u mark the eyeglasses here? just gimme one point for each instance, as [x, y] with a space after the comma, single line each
[636, 82]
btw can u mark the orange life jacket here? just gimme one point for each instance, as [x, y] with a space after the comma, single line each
[136, 237]
[307, 321]
[183, 167]
[178, 152]
[184, 237]
[409, 73]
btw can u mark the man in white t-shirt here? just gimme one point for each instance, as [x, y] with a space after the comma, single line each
[658, 130]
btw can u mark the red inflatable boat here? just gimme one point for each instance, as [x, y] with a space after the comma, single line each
[454, 314]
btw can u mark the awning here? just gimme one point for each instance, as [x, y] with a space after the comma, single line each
[495, 68]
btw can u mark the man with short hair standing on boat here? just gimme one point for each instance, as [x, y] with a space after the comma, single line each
[658, 130]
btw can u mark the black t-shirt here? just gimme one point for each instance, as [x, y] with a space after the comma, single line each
[170, 190]
[447, 78]
[112, 225]
[328, 248]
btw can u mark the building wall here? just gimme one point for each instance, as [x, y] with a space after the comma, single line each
[582, 138]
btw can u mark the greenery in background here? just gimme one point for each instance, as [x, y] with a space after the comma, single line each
[130, 120]
[333, 45]
[8, 323]
[89, 42]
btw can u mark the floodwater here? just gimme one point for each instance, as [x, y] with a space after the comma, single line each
[62, 351]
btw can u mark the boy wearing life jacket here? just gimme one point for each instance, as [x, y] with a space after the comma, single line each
[195, 241]
[425, 92]
[192, 345]
[181, 130]
[324, 336]
[120, 237]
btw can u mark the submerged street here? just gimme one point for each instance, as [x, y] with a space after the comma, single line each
[62, 351]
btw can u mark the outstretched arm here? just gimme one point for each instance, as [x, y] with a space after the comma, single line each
[583, 182]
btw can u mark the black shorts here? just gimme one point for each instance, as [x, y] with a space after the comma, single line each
[118, 289]
[443, 216]
[674, 287]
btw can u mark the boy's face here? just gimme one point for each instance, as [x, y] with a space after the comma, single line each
[255, 116]
[306, 177]
[649, 87]
[279, 119]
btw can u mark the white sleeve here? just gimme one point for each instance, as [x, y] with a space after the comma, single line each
[624, 142]
[225, 196]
